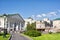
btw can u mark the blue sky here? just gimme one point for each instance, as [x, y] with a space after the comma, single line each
[37, 9]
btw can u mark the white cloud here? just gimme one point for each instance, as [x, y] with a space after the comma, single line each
[53, 13]
[43, 15]
[38, 16]
[50, 14]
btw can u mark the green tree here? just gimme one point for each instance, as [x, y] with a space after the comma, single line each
[31, 26]
[28, 26]
[31, 30]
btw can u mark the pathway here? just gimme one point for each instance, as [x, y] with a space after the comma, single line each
[17, 36]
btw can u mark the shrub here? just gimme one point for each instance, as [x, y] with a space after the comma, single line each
[50, 32]
[33, 33]
[57, 32]
[1, 34]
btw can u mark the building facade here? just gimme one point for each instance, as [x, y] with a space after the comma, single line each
[56, 25]
[11, 22]
[44, 25]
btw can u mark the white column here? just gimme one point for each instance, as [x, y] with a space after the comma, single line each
[13, 26]
[20, 26]
[8, 27]
[17, 28]
[24, 28]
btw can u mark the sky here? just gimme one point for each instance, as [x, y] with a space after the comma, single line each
[37, 9]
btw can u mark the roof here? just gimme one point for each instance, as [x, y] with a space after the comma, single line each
[7, 15]
[57, 19]
[30, 18]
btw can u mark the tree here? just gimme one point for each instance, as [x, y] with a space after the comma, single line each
[48, 24]
[31, 30]
[28, 26]
[45, 23]
[31, 26]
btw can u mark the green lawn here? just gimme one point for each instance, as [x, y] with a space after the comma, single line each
[48, 37]
[7, 37]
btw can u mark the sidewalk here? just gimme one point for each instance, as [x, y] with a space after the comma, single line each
[17, 36]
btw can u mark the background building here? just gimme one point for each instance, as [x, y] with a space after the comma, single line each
[56, 25]
[44, 25]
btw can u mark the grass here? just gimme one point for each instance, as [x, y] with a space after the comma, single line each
[48, 37]
[2, 38]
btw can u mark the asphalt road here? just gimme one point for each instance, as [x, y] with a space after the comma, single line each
[17, 36]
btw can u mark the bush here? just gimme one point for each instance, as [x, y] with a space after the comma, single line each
[33, 33]
[50, 32]
[1, 34]
[57, 32]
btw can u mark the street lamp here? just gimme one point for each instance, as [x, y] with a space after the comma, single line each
[5, 27]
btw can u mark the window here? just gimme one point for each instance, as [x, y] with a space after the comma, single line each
[54, 26]
[40, 26]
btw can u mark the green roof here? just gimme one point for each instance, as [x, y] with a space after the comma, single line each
[57, 19]
[7, 15]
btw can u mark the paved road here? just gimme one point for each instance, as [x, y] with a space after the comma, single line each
[17, 36]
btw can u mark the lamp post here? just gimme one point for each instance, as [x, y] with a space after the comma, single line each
[5, 27]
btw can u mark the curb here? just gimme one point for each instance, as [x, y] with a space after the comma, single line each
[10, 37]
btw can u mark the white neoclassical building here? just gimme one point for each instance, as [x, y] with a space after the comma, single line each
[11, 22]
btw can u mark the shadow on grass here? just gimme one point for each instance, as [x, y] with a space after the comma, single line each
[1, 34]
[7, 35]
